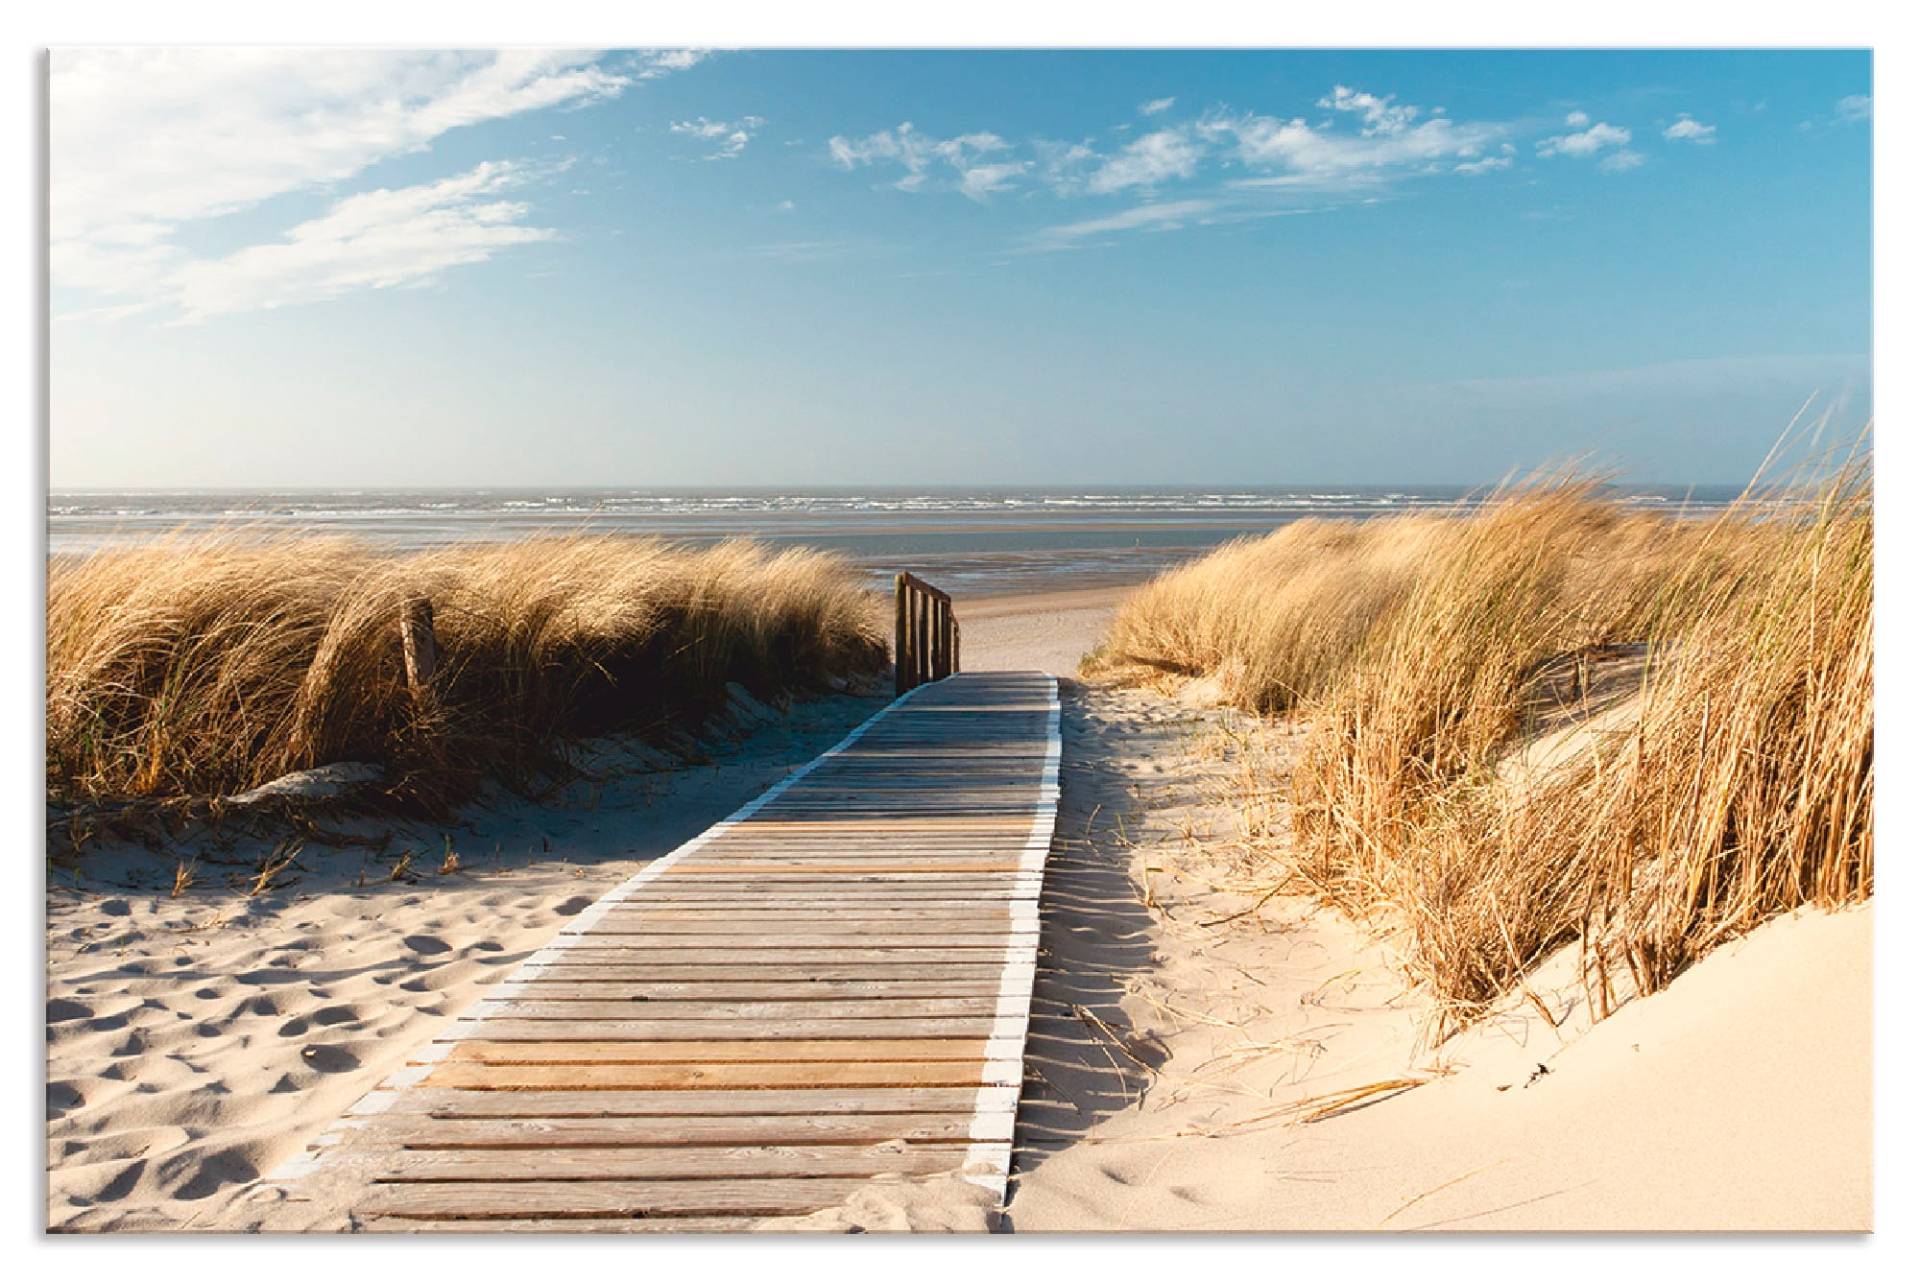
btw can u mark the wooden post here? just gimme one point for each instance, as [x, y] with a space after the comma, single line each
[943, 660]
[933, 649]
[417, 647]
[956, 648]
[901, 680]
[926, 637]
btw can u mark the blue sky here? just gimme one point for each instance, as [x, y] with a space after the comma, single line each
[277, 268]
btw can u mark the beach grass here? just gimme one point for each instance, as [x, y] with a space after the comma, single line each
[196, 666]
[1709, 682]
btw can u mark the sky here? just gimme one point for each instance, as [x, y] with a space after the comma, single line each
[640, 268]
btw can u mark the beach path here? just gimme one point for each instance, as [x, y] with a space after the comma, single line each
[829, 987]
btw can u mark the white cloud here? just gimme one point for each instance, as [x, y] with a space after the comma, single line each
[981, 181]
[1584, 142]
[1501, 159]
[1377, 115]
[1687, 129]
[1164, 216]
[1303, 156]
[145, 141]
[1147, 161]
[651, 64]
[1621, 161]
[375, 240]
[917, 154]
[1155, 106]
[729, 136]
[1578, 120]
[1854, 108]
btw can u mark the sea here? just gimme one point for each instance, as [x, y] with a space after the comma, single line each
[983, 541]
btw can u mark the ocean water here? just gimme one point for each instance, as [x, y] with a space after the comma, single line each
[980, 541]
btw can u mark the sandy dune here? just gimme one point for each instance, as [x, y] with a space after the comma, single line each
[1179, 1045]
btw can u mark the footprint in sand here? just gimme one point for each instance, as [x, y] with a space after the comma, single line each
[330, 1059]
[63, 1096]
[67, 1011]
[424, 944]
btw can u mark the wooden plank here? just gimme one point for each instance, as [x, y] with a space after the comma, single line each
[797, 1028]
[577, 1011]
[653, 994]
[415, 1133]
[561, 1052]
[690, 1225]
[779, 958]
[648, 939]
[689, 1163]
[705, 1075]
[483, 1201]
[686, 1103]
[608, 966]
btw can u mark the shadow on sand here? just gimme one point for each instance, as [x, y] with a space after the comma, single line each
[1085, 1060]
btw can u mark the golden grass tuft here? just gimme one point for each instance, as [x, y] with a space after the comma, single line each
[200, 666]
[1733, 779]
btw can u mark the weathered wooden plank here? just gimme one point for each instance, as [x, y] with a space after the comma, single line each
[689, 1103]
[562, 1052]
[747, 1197]
[795, 1028]
[784, 958]
[543, 986]
[689, 1225]
[430, 1134]
[758, 940]
[577, 1011]
[687, 1163]
[706, 1075]
[609, 966]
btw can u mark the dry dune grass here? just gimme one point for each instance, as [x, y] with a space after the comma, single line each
[200, 666]
[1739, 784]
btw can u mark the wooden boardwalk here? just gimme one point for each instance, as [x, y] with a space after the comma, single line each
[831, 984]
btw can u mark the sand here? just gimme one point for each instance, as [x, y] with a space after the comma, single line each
[1180, 1044]
[1183, 1028]
[1039, 632]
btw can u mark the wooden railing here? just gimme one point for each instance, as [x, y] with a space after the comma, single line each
[926, 637]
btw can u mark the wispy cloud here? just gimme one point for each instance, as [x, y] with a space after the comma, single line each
[651, 64]
[147, 141]
[1377, 114]
[922, 157]
[1162, 216]
[1687, 129]
[1294, 153]
[1854, 108]
[1230, 165]
[730, 137]
[375, 240]
[1148, 161]
[1587, 139]
[1490, 163]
